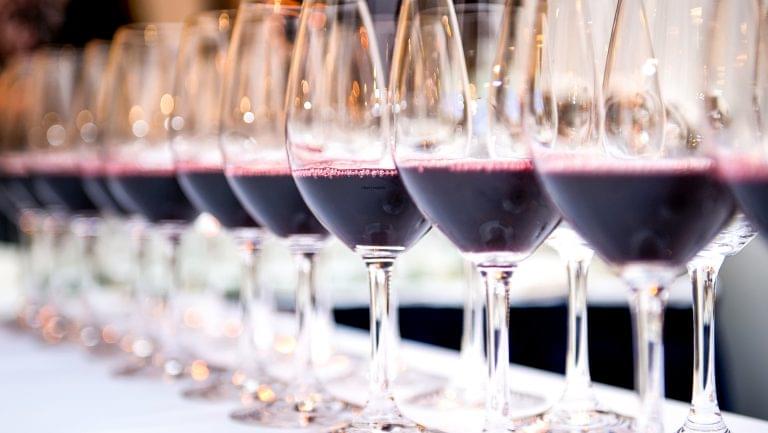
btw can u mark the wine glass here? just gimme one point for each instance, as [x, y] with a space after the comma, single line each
[56, 179]
[200, 169]
[25, 209]
[113, 302]
[733, 95]
[103, 306]
[736, 101]
[253, 143]
[703, 269]
[479, 25]
[481, 193]
[337, 134]
[427, 385]
[109, 301]
[641, 191]
[141, 176]
[567, 27]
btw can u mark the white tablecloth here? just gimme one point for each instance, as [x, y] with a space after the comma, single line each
[62, 389]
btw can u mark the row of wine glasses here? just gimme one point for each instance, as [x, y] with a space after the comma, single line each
[491, 124]
[116, 158]
[647, 193]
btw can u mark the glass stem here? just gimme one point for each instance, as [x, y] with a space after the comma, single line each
[648, 302]
[56, 283]
[472, 353]
[578, 383]
[395, 365]
[87, 229]
[30, 237]
[323, 328]
[497, 280]
[172, 349]
[142, 345]
[704, 411]
[256, 309]
[381, 406]
[307, 311]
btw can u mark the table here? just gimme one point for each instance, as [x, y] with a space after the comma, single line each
[63, 389]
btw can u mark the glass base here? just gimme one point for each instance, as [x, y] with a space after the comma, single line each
[512, 425]
[103, 350]
[16, 325]
[588, 421]
[383, 415]
[138, 368]
[224, 385]
[409, 384]
[319, 412]
[219, 389]
[158, 367]
[449, 398]
[389, 427]
[462, 398]
[691, 427]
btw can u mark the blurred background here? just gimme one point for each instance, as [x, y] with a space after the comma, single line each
[430, 277]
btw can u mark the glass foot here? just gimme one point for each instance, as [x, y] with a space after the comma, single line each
[384, 416]
[461, 398]
[223, 385]
[588, 421]
[316, 411]
[214, 390]
[16, 325]
[170, 369]
[715, 427]
[138, 368]
[449, 398]
[379, 427]
[104, 350]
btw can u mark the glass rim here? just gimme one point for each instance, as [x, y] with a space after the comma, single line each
[289, 9]
[55, 54]
[146, 32]
[55, 49]
[475, 7]
[97, 42]
[210, 14]
[467, 8]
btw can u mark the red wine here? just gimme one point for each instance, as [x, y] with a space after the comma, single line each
[98, 191]
[210, 192]
[363, 207]
[749, 182]
[641, 212]
[484, 206]
[17, 183]
[20, 190]
[95, 184]
[7, 206]
[62, 188]
[270, 196]
[154, 194]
